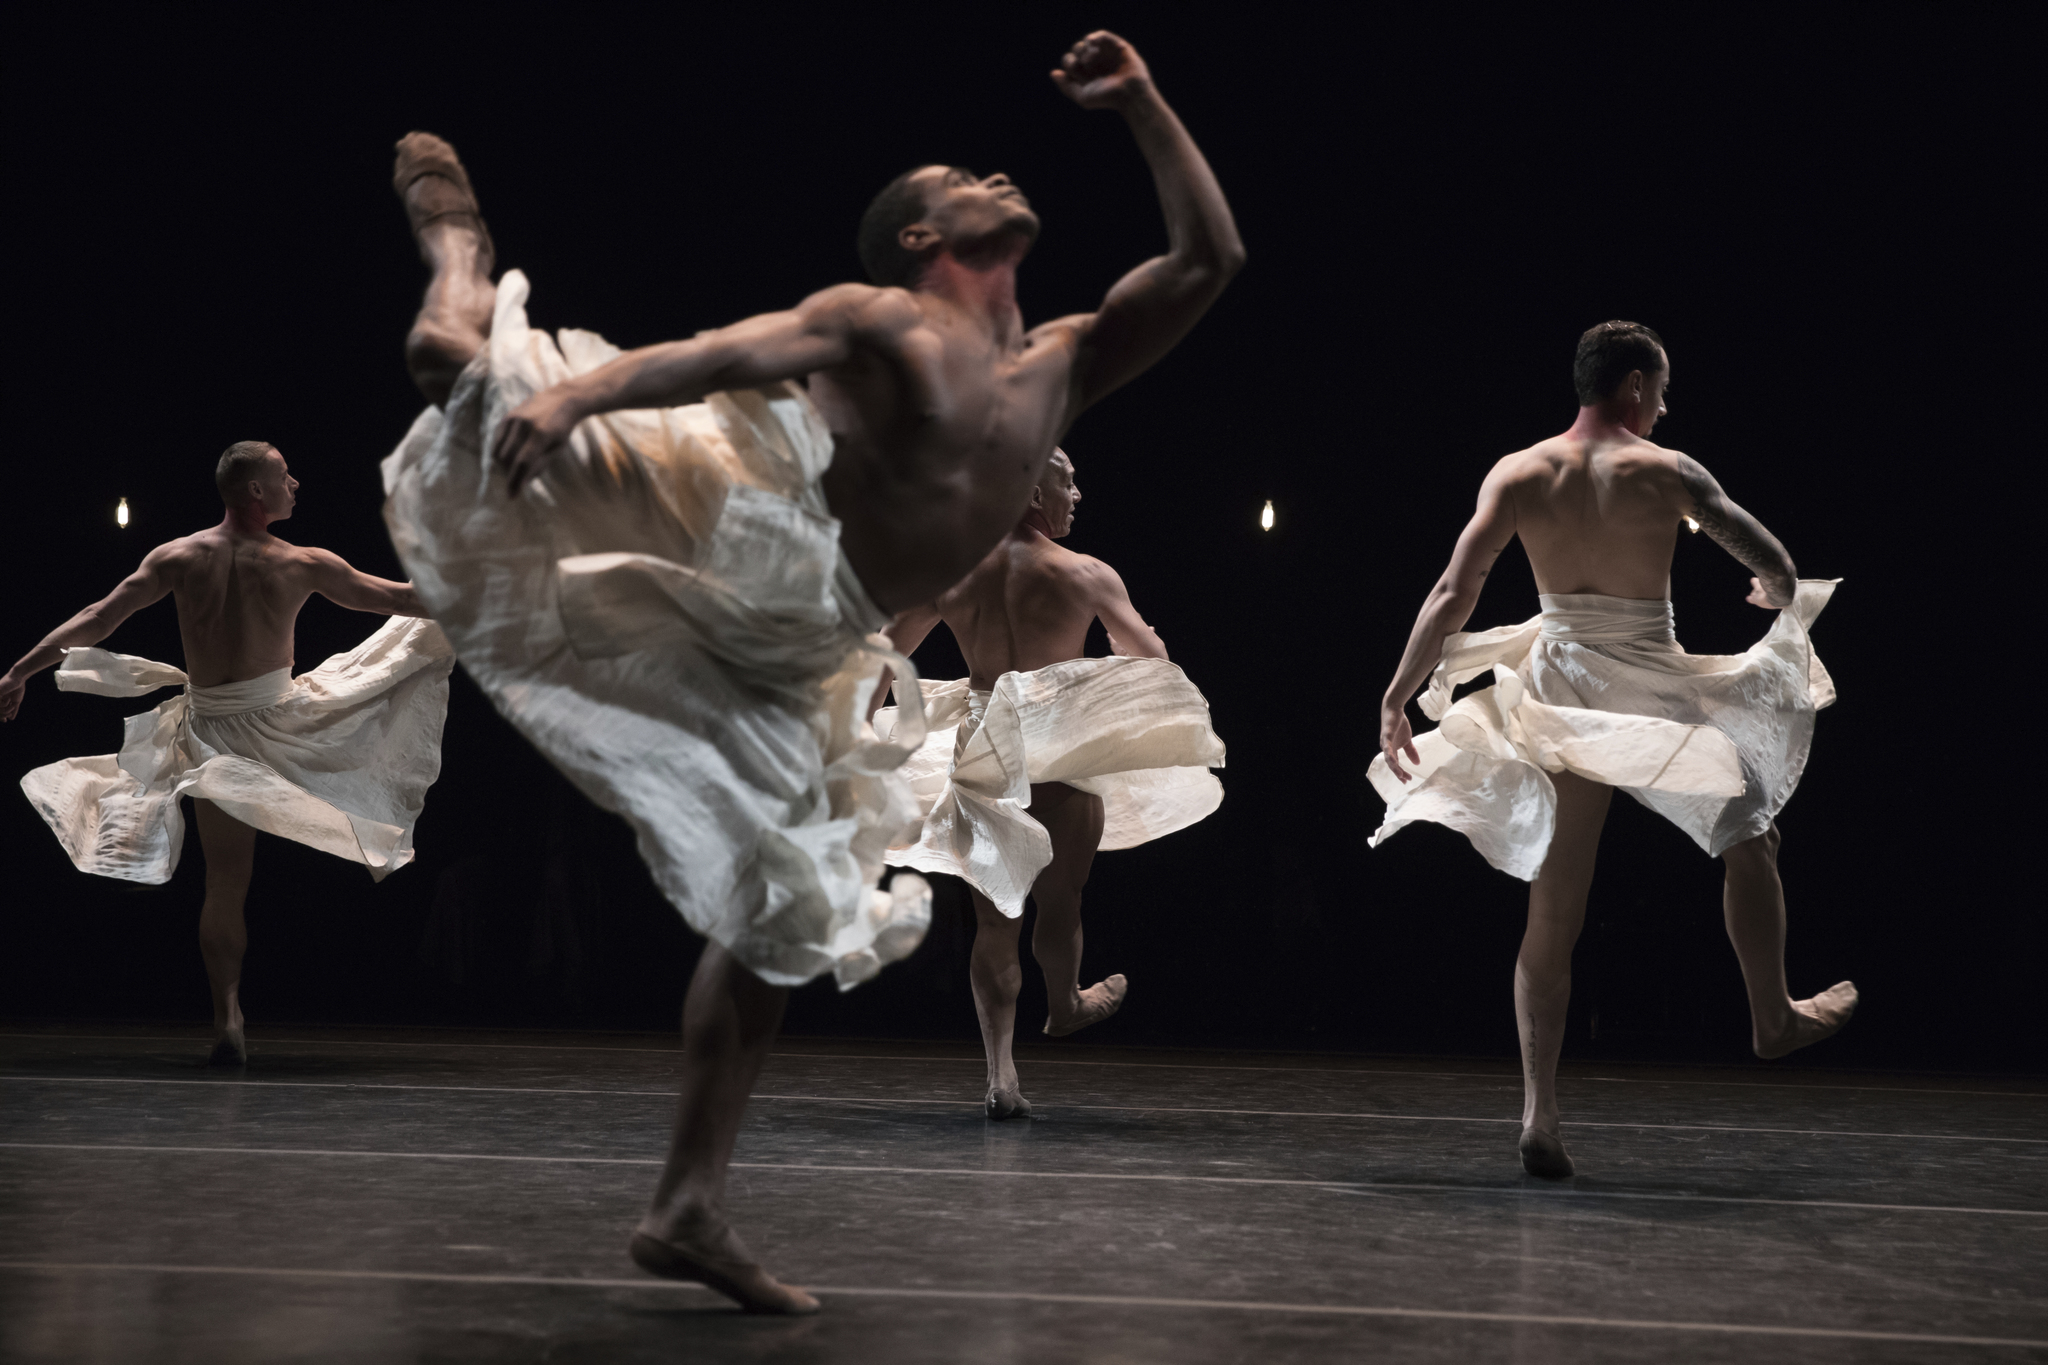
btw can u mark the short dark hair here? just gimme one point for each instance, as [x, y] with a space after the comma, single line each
[240, 463]
[1606, 355]
[882, 255]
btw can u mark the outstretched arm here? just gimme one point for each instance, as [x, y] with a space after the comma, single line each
[815, 335]
[1741, 535]
[1155, 305]
[1128, 633]
[1446, 609]
[341, 583]
[147, 585]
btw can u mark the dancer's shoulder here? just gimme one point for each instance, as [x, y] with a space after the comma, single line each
[864, 307]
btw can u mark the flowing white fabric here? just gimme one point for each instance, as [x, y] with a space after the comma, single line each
[1598, 686]
[339, 758]
[666, 615]
[1135, 732]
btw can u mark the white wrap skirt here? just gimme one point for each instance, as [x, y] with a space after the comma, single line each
[1598, 686]
[666, 615]
[1134, 732]
[339, 759]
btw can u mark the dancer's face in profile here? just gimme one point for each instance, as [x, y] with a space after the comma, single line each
[1649, 395]
[278, 491]
[967, 213]
[1057, 495]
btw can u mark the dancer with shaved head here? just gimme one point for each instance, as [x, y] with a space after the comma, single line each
[1039, 758]
[1595, 694]
[669, 568]
[339, 758]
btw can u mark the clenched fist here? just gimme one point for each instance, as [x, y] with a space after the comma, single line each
[1102, 71]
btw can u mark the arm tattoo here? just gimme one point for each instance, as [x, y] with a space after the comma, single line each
[1735, 531]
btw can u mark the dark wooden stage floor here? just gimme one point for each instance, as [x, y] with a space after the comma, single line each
[402, 1195]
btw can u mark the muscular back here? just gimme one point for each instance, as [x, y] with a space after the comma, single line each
[1027, 605]
[1597, 517]
[1601, 515]
[238, 602]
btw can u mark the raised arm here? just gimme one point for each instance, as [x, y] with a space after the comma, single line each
[1153, 307]
[147, 585]
[341, 583]
[1741, 535]
[815, 335]
[1128, 633]
[1446, 609]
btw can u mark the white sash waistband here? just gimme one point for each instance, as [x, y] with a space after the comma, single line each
[252, 694]
[1590, 619]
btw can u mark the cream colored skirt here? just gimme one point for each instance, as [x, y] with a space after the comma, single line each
[1598, 686]
[1133, 731]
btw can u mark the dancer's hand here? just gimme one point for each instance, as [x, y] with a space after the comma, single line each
[1102, 71]
[1397, 739]
[532, 434]
[11, 693]
[1760, 596]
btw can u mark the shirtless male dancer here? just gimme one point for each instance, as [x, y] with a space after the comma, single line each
[942, 408]
[1025, 607]
[1598, 510]
[238, 590]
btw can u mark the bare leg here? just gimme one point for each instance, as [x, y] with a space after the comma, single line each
[1543, 971]
[455, 316]
[1074, 819]
[230, 849]
[1753, 906]
[729, 1019]
[997, 977]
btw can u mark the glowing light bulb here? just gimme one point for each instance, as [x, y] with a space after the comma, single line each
[1266, 517]
[1690, 524]
[121, 514]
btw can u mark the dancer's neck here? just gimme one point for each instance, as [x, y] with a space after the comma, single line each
[986, 292]
[248, 520]
[1607, 424]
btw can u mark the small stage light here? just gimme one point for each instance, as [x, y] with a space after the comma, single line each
[121, 514]
[1691, 525]
[1266, 517]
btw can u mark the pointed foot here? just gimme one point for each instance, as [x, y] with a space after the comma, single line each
[1812, 1020]
[1098, 1002]
[1006, 1104]
[434, 188]
[1543, 1155]
[709, 1262]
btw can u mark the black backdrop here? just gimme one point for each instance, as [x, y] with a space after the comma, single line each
[1815, 212]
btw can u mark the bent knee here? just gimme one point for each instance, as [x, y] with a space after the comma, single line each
[1760, 851]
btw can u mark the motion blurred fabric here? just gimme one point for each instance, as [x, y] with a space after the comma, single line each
[666, 615]
[1134, 732]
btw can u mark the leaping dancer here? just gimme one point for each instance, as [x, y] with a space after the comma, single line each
[1040, 757]
[339, 758]
[677, 592]
[1595, 694]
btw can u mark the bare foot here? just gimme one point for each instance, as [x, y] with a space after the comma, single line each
[1098, 1002]
[1812, 1020]
[705, 1249]
[434, 187]
[1006, 1102]
[231, 1045]
[1543, 1155]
